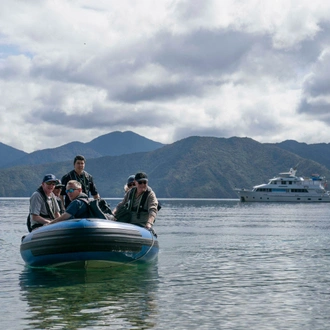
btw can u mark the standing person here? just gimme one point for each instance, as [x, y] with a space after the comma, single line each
[80, 175]
[57, 193]
[77, 208]
[43, 204]
[142, 214]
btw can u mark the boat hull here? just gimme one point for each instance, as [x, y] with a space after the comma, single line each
[287, 187]
[253, 196]
[88, 243]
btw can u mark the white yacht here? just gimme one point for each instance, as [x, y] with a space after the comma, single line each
[287, 187]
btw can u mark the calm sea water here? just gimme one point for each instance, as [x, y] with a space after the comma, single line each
[222, 265]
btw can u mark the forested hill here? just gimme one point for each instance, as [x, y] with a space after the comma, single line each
[319, 152]
[8, 153]
[195, 167]
[111, 144]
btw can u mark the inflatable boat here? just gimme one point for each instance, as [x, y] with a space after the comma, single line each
[89, 243]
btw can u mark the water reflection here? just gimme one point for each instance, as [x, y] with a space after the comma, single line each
[114, 298]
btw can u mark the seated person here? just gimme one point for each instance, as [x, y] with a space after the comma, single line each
[130, 183]
[128, 186]
[77, 207]
[57, 193]
[43, 205]
[141, 215]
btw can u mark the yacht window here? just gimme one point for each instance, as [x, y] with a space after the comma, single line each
[299, 190]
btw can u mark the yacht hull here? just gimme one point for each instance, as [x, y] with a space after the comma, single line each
[288, 188]
[251, 196]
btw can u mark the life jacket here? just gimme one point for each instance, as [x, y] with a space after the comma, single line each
[83, 197]
[97, 208]
[50, 213]
[140, 207]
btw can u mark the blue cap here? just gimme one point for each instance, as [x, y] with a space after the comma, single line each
[49, 177]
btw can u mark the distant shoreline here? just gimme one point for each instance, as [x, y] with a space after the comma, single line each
[162, 199]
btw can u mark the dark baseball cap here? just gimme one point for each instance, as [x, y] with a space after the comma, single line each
[141, 176]
[59, 184]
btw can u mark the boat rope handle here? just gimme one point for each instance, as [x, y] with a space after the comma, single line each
[151, 246]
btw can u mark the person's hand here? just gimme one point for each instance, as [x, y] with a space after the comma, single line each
[148, 225]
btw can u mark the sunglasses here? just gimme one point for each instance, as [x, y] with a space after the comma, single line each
[49, 183]
[71, 190]
[142, 182]
[131, 184]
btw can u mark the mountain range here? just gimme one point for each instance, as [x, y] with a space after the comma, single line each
[112, 144]
[194, 167]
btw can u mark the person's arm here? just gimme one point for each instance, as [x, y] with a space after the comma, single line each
[39, 219]
[36, 207]
[70, 212]
[92, 187]
[56, 207]
[64, 216]
[124, 201]
[152, 209]
[97, 196]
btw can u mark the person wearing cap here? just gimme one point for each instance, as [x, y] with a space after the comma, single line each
[43, 204]
[79, 174]
[57, 193]
[128, 186]
[141, 215]
[130, 183]
[77, 208]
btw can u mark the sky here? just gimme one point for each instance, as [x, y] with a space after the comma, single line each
[72, 70]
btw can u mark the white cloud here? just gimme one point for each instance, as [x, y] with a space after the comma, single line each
[74, 70]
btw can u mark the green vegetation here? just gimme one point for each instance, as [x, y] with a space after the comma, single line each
[195, 167]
